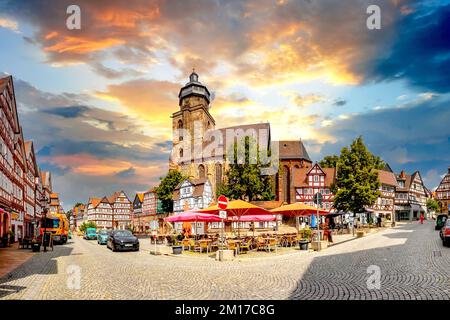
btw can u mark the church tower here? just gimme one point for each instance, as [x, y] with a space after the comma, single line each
[194, 104]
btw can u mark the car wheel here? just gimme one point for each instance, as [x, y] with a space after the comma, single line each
[113, 248]
[445, 243]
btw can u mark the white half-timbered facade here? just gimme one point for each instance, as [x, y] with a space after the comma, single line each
[309, 181]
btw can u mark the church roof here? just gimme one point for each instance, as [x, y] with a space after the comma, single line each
[293, 150]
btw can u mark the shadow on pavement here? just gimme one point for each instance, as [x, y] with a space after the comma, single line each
[41, 263]
[405, 271]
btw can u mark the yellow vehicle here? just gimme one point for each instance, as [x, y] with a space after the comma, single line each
[58, 225]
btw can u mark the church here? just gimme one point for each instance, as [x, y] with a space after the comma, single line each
[194, 132]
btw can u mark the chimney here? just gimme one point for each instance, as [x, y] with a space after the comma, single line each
[402, 174]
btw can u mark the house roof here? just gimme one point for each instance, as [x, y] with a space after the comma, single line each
[4, 82]
[293, 149]
[300, 176]
[198, 184]
[94, 201]
[387, 177]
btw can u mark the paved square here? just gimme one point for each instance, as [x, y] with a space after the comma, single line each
[411, 258]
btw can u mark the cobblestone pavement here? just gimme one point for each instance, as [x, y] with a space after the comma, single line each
[411, 258]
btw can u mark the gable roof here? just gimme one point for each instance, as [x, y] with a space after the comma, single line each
[300, 176]
[198, 184]
[387, 177]
[294, 149]
[94, 202]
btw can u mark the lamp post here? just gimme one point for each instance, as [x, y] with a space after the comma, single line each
[44, 199]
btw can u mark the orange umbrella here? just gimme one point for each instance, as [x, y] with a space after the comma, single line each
[237, 208]
[298, 209]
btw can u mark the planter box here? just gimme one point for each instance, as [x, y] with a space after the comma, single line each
[316, 245]
[224, 255]
[177, 249]
[303, 245]
[359, 234]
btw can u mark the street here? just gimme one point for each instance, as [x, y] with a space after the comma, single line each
[413, 264]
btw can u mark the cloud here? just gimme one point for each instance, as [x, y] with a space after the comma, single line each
[77, 141]
[413, 137]
[339, 102]
[306, 100]
[67, 112]
[130, 172]
[313, 39]
[9, 24]
[421, 51]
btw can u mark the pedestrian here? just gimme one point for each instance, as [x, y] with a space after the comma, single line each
[421, 218]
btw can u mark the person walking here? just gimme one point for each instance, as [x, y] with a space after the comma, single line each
[421, 218]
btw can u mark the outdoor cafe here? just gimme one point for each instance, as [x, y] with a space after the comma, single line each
[233, 228]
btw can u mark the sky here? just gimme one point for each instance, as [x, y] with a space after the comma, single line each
[97, 101]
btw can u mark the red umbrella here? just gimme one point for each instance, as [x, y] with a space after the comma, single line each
[193, 217]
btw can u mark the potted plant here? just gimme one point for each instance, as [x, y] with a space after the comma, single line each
[305, 235]
[176, 248]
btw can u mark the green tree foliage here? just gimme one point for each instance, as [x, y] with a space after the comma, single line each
[329, 161]
[357, 182]
[244, 179]
[88, 224]
[166, 188]
[432, 205]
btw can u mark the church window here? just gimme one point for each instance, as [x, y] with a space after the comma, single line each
[181, 153]
[218, 175]
[180, 130]
[201, 171]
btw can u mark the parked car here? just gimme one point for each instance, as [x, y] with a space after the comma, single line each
[122, 240]
[445, 233]
[90, 234]
[102, 236]
[440, 221]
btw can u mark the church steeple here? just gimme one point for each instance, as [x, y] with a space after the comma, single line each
[194, 88]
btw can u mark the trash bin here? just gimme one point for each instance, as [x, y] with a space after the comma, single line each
[177, 249]
[36, 247]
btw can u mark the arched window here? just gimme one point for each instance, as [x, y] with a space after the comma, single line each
[201, 171]
[181, 153]
[218, 175]
[286, 185]
[180, 130]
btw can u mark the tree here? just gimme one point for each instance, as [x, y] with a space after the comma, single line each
[357, 182]
[166, 188]
[433, 205]
[329, 161]
[88, 224]
[244, 180]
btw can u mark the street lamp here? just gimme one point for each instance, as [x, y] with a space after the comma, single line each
[44, 219]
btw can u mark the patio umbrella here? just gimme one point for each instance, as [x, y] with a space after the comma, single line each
[237, 208]
[193, 217]
[298, 209]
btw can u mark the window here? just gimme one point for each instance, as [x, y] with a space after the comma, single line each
[201, 171]
[316, 178]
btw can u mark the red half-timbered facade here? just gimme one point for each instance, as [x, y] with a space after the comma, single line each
[309, 181]
[20, 186]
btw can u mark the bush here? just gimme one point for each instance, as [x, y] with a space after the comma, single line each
[85, 225]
